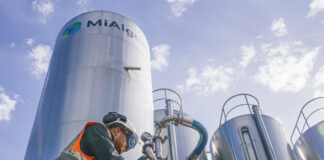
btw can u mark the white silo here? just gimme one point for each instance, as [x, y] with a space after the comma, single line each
[100, 63]
[308, 134]
[251, 136]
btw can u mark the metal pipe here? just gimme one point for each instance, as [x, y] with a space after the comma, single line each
[163, 123]
[264, 134]
[171, 131]
[158, 147]
[149, 153]
[157, 137]
[148, 146]
[185, 120]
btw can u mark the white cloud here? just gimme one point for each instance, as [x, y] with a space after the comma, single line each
[318, 93]
[287, 66]
[248, 52]
[260, 37]
[180, 6]
[40, 56]
[17, 97]
[213, 78]
[29, 41]
[7, 105]
[318, 83]
[43, 7]
[161, 56]
[12, 45]
[278, 27]
[319, 77]
[210, 79]
[82, 2]
[265, 46]
[315, 7]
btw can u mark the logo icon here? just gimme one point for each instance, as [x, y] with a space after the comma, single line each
[71, 29]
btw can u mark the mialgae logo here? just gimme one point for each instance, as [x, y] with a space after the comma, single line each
[71, 30]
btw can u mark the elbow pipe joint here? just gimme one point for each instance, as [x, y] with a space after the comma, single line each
[163, 123]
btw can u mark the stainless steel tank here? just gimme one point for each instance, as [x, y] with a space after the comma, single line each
[251, 136]
[100, 63]
[308, 139]
[181, 140]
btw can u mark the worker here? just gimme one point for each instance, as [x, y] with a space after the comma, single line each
[99, 141]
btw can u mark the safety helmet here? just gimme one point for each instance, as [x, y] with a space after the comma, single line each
[116, 118]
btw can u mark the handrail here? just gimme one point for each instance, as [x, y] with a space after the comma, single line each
[240, 105]
[160, 99]
[165, 90]
[312, 114]
[305, 117]
[225, 114]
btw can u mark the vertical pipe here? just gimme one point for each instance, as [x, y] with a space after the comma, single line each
[264, 134]
[158, 147]
[171, 131]
[150, 154]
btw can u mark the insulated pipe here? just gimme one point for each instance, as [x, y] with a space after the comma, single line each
[202, 140]
[180, 119]
[264, 134]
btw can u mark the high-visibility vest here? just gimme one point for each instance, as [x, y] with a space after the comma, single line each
[74, 149]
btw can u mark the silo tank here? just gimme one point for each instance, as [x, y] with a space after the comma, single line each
[308, 133]
[100, 63]
[310, 145]
[250, 136]
[239, 138]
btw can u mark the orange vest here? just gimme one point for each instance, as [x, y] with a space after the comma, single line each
[76, 144]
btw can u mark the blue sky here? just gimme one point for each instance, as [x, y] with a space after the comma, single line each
[207, 50]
